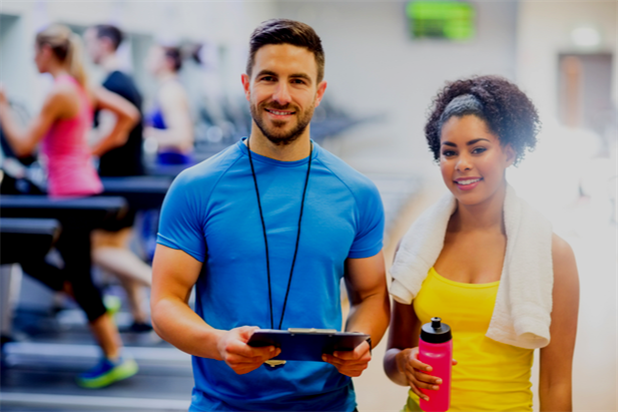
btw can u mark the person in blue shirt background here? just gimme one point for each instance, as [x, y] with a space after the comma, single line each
[266, 230]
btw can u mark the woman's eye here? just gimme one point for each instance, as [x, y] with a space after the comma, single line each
[448, 153]
[478, 150]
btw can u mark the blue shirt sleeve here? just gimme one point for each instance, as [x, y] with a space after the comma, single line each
[370, 230]
[180, 224]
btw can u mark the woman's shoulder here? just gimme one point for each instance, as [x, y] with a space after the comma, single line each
[560, 248]
[63, 96]
[563, 258]
[63, 89]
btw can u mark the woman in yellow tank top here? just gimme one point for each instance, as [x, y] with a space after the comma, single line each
[478, 128]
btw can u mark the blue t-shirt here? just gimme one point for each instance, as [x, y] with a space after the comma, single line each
[211, 213]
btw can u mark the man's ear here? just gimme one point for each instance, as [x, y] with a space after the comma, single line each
[246, 84]
[320, 93]
[107, 44]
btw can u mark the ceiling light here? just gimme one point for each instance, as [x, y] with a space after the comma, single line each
[586, 37]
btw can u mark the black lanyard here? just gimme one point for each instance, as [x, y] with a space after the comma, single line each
[302, 206]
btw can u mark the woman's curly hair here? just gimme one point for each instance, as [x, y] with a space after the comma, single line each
[506, 110]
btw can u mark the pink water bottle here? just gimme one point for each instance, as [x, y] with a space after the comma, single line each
[435, 348]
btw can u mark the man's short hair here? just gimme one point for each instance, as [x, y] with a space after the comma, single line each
[284, 31]
[113, 33]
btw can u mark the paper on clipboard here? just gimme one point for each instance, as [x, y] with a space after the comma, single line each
[306, 344]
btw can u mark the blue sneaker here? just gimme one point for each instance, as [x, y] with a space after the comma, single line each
[108, 372]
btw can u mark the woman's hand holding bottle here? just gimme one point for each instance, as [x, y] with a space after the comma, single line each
[415, 372]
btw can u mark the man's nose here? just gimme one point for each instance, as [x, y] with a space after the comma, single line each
[282, 94]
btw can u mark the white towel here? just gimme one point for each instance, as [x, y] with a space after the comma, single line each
[522, 313]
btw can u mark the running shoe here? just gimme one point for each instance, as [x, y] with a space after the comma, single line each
[108, 372]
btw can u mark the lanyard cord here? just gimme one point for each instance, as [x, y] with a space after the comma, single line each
[302, 206]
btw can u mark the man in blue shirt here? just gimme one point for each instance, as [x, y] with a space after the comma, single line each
[266, 230]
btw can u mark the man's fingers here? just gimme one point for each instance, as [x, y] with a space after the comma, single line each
[352, 368]
[359, 352]
[275, 354]
[233, 360]
[241, 370]
[242, 349]
[245, 332]
[332, 360]
[335, 360]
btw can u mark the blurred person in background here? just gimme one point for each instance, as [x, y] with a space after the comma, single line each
[169, 121]
[62, 127]
[122, 157]
[485, 262]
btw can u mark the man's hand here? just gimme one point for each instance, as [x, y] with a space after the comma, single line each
[350, 363]
[239, 356]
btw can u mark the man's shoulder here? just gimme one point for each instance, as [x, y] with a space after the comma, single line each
[119, 76]
[120, 83]
[207, 173]
[350, 177]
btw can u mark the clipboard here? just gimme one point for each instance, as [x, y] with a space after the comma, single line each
[306, 344]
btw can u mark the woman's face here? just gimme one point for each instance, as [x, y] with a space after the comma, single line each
[41, 57]
[472, 160]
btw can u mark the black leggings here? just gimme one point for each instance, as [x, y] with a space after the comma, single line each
[74, 247]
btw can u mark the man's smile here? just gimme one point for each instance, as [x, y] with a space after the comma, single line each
[280, 112]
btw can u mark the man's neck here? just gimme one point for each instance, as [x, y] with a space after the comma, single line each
[297, 150]
[110, 63]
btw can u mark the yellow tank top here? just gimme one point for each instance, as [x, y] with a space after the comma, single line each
[489, 376]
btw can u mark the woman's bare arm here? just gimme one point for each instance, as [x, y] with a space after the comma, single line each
[557, 357]
[60, 103]
[179, 131]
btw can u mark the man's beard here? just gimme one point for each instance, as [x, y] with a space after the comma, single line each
[279, 137]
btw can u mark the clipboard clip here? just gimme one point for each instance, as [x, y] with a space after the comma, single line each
[273, 363]
[311, 330]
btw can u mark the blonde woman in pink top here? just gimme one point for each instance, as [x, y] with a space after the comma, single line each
[66, 117]
[61, 127]
[66, 153]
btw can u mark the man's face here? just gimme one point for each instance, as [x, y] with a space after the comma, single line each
[94, 46]
[283, 91]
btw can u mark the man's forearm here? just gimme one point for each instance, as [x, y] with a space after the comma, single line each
[371, 316]
[179, 325]
[116, 138]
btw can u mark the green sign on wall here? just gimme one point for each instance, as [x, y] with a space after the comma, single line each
[452, 20]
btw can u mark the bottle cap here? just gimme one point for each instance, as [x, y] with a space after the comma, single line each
[436, 331]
